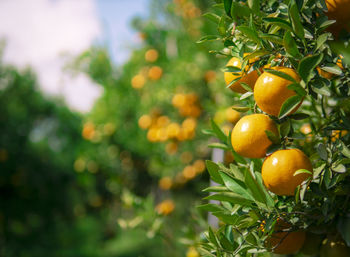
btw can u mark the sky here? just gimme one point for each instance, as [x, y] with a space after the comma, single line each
[46, 34]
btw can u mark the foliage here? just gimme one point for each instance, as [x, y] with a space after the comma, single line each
[293, 34]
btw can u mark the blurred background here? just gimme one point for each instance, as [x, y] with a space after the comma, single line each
[104, 108]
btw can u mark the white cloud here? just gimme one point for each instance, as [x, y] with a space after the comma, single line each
[40, 32]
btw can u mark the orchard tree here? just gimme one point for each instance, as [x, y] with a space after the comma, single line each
[287, 191]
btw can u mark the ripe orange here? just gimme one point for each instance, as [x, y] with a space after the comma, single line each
[248, 137]
[247, 77]
[271, 91]
[285, 242]
[166, 207]
[232, 115]
[138, 81]
[332, 247]
[278, 171]
[339, 10]
[155, 73]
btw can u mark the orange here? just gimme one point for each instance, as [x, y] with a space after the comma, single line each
[285, 242]
[166, 207]
[88, 131]
[165, 183]
[332, 247]
[248, 137]
[337, 134]
[192, 252]
[145, 121]
[271, 91]
[155, 73]
[248, 78]
[138, 81]
[151, 55]
[278, 171]
[339, 10]
[232, 115]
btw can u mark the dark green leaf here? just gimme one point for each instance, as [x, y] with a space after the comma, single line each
[221, 136]
[230, 197]
[321, 40]
[236, 186]
[239, 11]
[285, 128]
[296, 20]
[343, 227]
[278, 22]
[290, 45]
[246, 86]
[210, 207]
[213, 170]
[280, 74]
[254, 187]
[289, 105]
[273, 138]
[299, 116]
[254, 5]
[227, 7]
[307, 65]
[332, 68]
[322, 151]
[297, 88]
[249, 33]
[272, 38]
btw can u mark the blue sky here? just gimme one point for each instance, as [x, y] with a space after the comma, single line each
[115, 16]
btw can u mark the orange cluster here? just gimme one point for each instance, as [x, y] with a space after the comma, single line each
[187, 104]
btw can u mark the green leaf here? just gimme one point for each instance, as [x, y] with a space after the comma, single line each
[246, 95]
[322, 151]
[320, 87]
[236, 186]
[257, 53]
[221, 26]
[240, 11]
[291, 46]
[213, 170]
[241, 108]
[289, 105]
[345, 150]
[221, 136]
[246, 86]
[210, 207]
[230, 197]
[279, 22]
[215, 189]
[254, 187]
[236, 172]
[321, 40]
[332, 68]
[272, 38]
[208, 38]
[307, 65]
[212, 16]
[297, 88]
[299, 116]
[255, 6]
[343, 227]
[212, 237]
[273, 138]
[302, 171]
[296, 20]
[285, 128]
[281, 74]
[249, 33]
[219, 146]
[227, 7]
[231, 69]
[233, 81]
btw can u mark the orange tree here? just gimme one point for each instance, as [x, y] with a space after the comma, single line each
[287, 191]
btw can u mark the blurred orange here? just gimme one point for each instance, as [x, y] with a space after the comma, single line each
[155, 73]
[88, 131]
[199, 166]
[210, 76]
[151, 55]
[145, 121]
[165, 183]
[166, 207]
[189, 172]
[186, 157]
[232, 115]
[171, 148]
[138, 81]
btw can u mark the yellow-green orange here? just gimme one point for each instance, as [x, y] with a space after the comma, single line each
[278, 171]
[248, 137]
[271, 91]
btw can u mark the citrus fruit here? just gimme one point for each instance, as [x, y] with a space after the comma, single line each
[329, 75]
[155, 73]
[271, 91]
[248, 137]
[151, 55]
[332, 247]
[312, 244]
[246, 77]
[278, 171]
[338, 10]
[232, 115]
[285, 242]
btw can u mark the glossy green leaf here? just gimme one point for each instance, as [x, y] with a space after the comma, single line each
[213, 170]
[291, 46]
[307, 65]
[289, 105]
